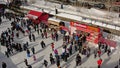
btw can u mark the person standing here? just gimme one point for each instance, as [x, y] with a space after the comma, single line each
[4, 65]
[26, 62]
[99, 62]
[33, 36]
[33, 50]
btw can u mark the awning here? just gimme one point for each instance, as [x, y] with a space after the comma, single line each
[38, 16]
[33, 14]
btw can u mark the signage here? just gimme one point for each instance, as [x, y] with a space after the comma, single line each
[84, 27]
[75, 24]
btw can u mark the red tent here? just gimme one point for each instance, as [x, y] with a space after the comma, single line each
[37, 16]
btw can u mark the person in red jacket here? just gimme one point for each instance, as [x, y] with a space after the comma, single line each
[99, 62]
[52, 46]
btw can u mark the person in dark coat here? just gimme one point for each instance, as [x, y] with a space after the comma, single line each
[4, 65]
[33, 50]
[6, 53]
[42, 44]
[78, 59]
[26, 62]
[116, 66]
[70, 50]
[0, 20]
[28, 53]
[45, 63]
[56, 36]
[108, 52]
[56, 11]
[42, 35]
[33, 36]
[29, 66]
[51, 59]
[58, 61]
[30, 38]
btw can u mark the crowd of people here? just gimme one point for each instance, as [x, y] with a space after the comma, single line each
[70, 45]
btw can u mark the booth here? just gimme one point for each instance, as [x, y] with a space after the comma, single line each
[93, 32]
[38, 17]
[53, 23]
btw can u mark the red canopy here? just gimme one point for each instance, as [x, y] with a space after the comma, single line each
[37, 16]
[33, 14]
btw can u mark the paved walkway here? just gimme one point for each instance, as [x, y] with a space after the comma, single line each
[16, 61]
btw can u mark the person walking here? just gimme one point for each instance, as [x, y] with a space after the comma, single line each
[33, 36]
[52, 46]
[99, 62]
[29, 66]
[33, 50]
[0, 20]
[78, 59]
[6, 53]
[34, 57]
[26, 62]
[42, 35]
[95, 53]
[58, 61]
[52, 59]
[45, 63]
[38, 31]
[43, 44]
[30, 38]
[99, 52]
[4, 65]
[70, 50]
[45, 34]
[28, 53]
[108, 52]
